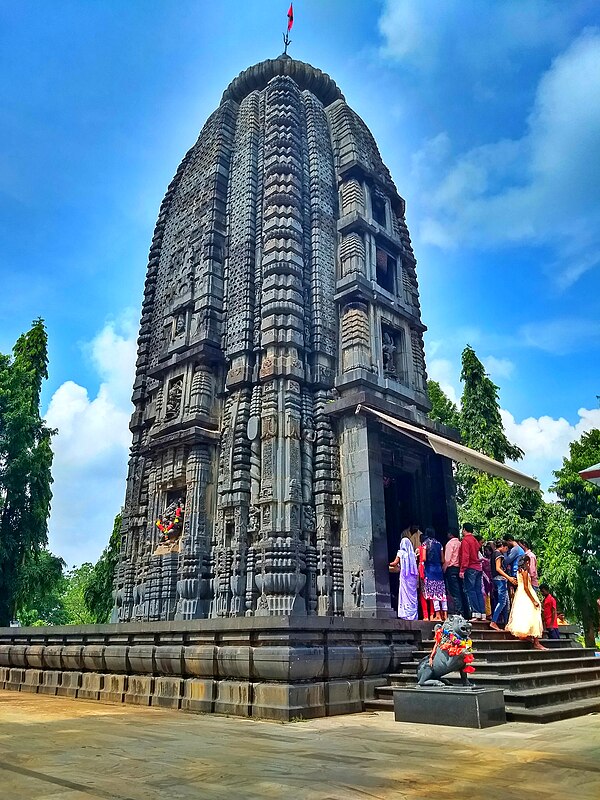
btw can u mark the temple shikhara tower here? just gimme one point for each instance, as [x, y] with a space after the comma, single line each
[280, 329]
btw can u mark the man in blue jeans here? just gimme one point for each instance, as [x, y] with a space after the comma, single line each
[471, 572]
[501, 579]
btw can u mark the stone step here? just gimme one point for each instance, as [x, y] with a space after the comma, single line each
[523, 653]
[527, 680]
[540, 714]
[511, 667]
[550, 695]
[506, 643]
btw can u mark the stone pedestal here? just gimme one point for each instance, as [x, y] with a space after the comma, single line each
[460, 708]
[268, 668]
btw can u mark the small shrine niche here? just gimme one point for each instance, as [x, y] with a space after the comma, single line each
[174, 397]
[386, 266]
[170, 522]
[394, 354]
[378, 207]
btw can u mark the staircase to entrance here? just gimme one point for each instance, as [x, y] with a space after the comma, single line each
[539, 686]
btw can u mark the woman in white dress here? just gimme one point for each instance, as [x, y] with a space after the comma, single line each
[525, 621]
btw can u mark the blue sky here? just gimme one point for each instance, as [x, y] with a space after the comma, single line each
[488, 115]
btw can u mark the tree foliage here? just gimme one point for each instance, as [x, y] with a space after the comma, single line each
[581, 499]
[442, 408]
[39, 597]
[98, 590]
[480, 421]
[25, 463]
[73, 597]
[498, 509]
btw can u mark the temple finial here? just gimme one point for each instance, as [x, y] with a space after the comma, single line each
[286, 36]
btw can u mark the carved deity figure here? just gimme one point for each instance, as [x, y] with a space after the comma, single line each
[179, 325]
[174, 399]
[389, 354]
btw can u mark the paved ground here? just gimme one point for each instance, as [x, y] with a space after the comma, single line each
[53, 748]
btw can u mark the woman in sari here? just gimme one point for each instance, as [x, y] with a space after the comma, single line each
[406, 562]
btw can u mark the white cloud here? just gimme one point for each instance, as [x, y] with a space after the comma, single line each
[546, 440]
[91, 447]
[425, 33]
[443, 371]
[498, 367]
[539, 189]
[560, 336]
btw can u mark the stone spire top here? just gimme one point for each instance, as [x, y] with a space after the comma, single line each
[305, 75]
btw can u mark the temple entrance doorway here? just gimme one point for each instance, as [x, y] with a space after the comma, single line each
[400, 512]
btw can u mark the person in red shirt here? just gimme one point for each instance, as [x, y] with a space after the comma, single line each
[471, 572]
[549, 613]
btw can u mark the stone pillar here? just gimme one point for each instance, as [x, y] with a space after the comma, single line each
[364, 541]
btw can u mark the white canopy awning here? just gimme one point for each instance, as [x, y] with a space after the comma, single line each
[457, 452]
[591, 474]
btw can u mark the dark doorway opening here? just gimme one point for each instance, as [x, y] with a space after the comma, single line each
[399, 495]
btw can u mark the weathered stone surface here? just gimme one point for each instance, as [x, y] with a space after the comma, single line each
[139, 690]
[467, 708]
[199, 695]
[343, 697]
[234, 697]
[167, 692]
[286, 702]
[113, 688]
[69, 685]
[92, 684]
[33, 679]
[51, 681]
[271, 667]
[15, 678]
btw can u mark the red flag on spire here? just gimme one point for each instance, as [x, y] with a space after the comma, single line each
[290, 17]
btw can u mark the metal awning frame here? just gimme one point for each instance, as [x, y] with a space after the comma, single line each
[453, 450]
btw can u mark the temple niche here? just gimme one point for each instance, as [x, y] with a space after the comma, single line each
[281, 293]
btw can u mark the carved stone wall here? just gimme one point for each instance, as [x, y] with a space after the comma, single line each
[261, 304]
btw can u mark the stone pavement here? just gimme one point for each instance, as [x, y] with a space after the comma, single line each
[53, 748]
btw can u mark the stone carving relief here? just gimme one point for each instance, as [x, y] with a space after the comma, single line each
[174, 397]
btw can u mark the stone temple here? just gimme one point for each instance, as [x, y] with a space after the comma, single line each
[280, 436]
[281, 298]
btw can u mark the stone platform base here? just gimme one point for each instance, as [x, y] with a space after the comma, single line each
[461, 708]
[268, 668]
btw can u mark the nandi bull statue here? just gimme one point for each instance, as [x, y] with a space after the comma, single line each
[451, 653]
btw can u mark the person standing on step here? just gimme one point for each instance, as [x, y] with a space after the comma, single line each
[426, 606]
[549, 612]
[525, 621]
[533, 571]
[451, 573]
[435, 588]
[515, 551]
[413, 534]
[471, 572]
[501, 579]
[408, 584]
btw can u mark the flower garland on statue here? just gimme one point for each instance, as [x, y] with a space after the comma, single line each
[452, 644]
[165, 526]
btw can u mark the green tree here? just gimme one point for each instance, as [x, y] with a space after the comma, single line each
[42, 583]
[98, 590]
[442, 408]
[498, 508]
[582, 537]
[480, 421]
[25, 463]
[73, 597]
[481, 425]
